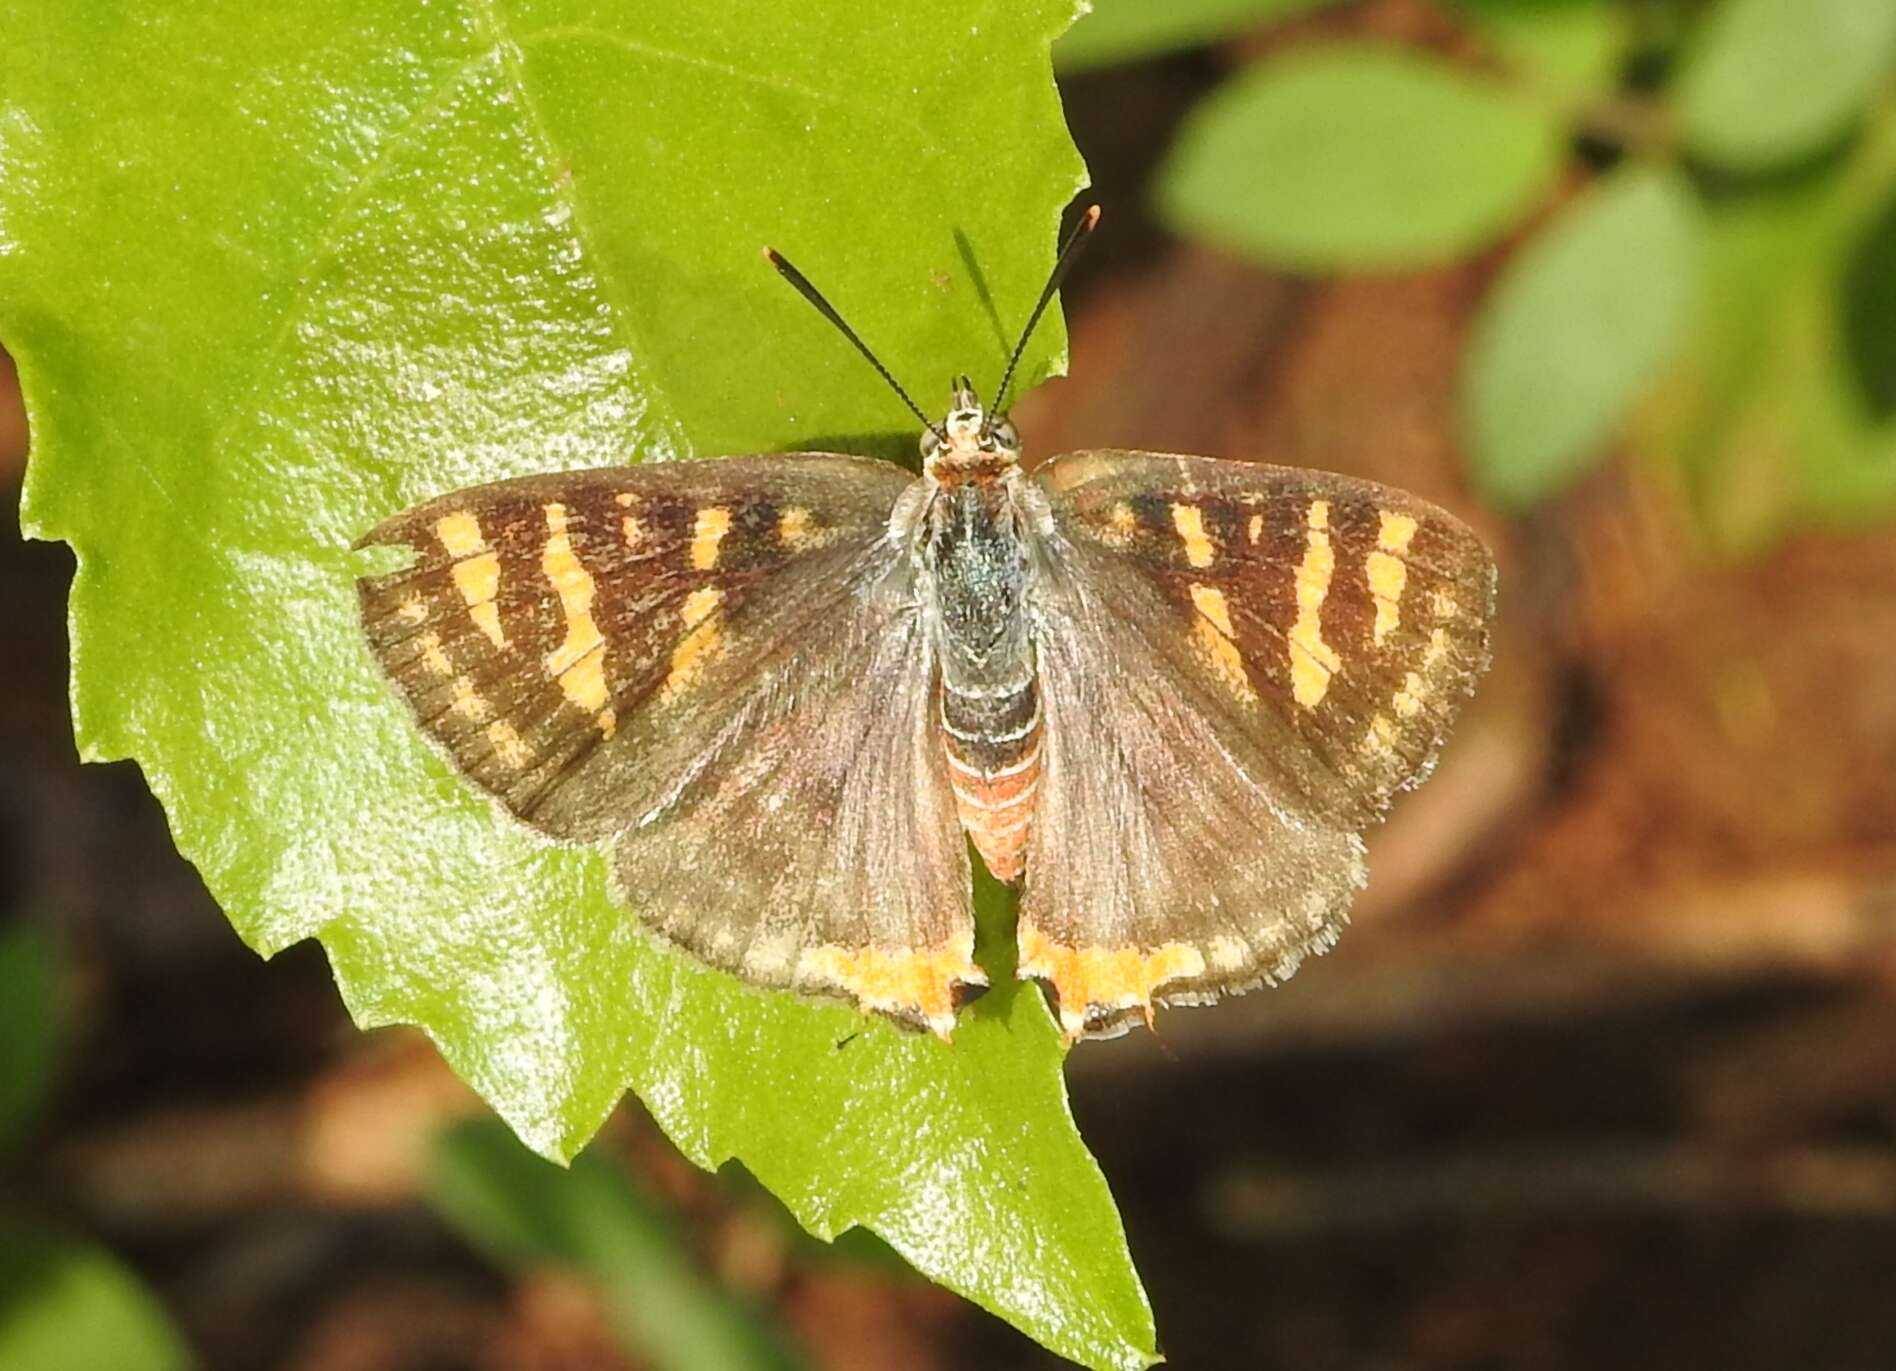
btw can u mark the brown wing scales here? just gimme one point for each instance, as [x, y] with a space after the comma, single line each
[707, 664]
[543, 618]
[720, 667]
[1241, 665]
[1343, 621]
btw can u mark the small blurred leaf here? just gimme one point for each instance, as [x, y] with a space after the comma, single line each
[1764, 421]
[525, 1212]
[1868, 299]
[1356, 158]
[28, 982]
[69, 1306]
[1131, 30]
[1769, 81]
[1568, 48]
[1577, 326]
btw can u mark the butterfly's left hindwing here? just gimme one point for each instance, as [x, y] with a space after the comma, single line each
[606, 652]
[1240, 666]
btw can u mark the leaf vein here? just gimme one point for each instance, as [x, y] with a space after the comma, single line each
[783, 85]
[511, 55]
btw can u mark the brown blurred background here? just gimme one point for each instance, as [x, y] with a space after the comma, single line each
[1603, 1074]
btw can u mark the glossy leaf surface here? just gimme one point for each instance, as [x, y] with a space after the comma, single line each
[271, 279]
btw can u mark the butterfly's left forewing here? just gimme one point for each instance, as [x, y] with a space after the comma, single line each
[718, 667]
[1240, 666]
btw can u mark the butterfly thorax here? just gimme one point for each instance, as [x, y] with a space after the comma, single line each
[975, 567]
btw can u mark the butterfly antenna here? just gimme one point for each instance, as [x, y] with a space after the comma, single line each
[828, 311]
[1068, 251]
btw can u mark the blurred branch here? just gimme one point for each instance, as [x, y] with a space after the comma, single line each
[1639, 126]
[1248, 1205]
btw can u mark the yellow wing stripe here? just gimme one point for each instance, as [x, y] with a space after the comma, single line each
[578, 663]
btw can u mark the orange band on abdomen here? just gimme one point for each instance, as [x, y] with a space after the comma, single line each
[996, 801]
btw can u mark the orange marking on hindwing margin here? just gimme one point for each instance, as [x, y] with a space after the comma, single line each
[917, 982]
[579, 663]
[1227, 954]
[476, 571]
[1104, 978]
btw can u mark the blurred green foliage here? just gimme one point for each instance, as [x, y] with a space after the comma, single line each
[1580, 320]
[1763, 83]
[66, 1304]
[1358, 158]
[526, 1213]
[1718, 279]
[28, 1027]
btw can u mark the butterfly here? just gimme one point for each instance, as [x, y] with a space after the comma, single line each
[1164, 693]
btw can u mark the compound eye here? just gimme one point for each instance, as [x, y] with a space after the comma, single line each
[1005, 436]
[931, 443]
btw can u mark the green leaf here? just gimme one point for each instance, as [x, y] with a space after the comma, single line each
[28, 985]
[1769, 81]
[270, 280]
[1116, 31]
[69, 1306]
[1579, 324]
[525, 1213]
[1765, 421]
[1356, 158]
[1564, 50]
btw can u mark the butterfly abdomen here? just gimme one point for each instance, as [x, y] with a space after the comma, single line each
[990, 706]
[993, 746]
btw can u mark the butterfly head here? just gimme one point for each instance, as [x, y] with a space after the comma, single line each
[969, 435]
